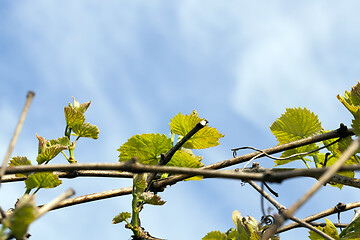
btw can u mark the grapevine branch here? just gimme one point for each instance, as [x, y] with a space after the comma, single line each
[279, 220]
[340, 132]
[320, 215]
[281, 208]
[167, 157]
[136, 167]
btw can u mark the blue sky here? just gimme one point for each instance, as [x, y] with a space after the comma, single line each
[238, 63]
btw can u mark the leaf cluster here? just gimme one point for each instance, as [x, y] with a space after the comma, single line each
[25, 211]
[246, 228]
[148, 147]
[351, 232]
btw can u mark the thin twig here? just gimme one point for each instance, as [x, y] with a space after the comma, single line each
[167, 157]
[320, 215]
[94, 197]
[262, 152]
[281, 208]
[276, 204]
[130, 166]
[312, 228]
[15, 136]
[340, 132]
[51, 205]
[350, 151]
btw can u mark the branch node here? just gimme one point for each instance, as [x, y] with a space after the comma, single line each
[342, 130]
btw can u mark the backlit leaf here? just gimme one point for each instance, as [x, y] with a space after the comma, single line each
[65, 141]
[42, 180]
[337, 150]
[139, 182]
[49, 153]
[185, 158]
[121, 217]
[73, 117]
[146, 147]
[151, 198]
[86, 130]
[215, 235]
[80, 107]
[206, 137]
[352, 231]
[296, 124]
[329, 229]
[351, 101]
[24, 214]
[20, 161]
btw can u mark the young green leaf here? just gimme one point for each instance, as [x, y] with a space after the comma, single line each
[139, 182]
[20, 161]
[337, 150]
[42, 180]
[73, 117]
[151, 198]
[351, 101]
[329, 229]
[49, 153]
[146, 147]
[185, 158]
[80, 107]
[215, 235]
[244, 226]
[295, 124]
[64, 141]
[352, 231]
[121, 217]
[24, 214]
[206, 137]
[48, 149]
[86, 130]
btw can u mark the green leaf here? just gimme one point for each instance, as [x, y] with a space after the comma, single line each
[24, 214]
[356, 125]
[295, 124]
[64, 141]
[244, 226]
[121, 217]
[351, 101]
[86, 130]
[49, 153]
[206, 137]
[139, 182]
[232, 234]
[151, 198]
[146, 147]
[185, 158]
[42, 180]
[20, 161]
[337, 150]
[329, 229]
[80, 107]
[215, 235]
[48, 149]
[352, 231]
[73, 117]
